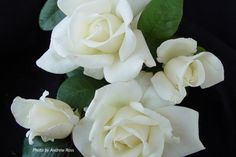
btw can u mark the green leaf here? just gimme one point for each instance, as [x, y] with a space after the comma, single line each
[50, 15]
[79, 90]
[160, 21]
[58, 148]
[77, 71]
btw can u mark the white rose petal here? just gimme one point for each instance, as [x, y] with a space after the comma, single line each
[68, 6]
[128, 45]
[185, 70]
[121, 71]
[167, 90]
[144, 80]
[97, 34]
[151, 99]
[94, 61]
[186, 130]
[213, 67]
[118, 123]
[61, 43]
[124, 10]
[52, 62]
[103, 96]
[176, 47]
[49, 118]
[95, 73]
[136, 6]
[81, 140]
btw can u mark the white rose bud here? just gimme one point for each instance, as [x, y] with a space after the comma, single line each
[49, 118]
[122, 122]
[97, 35]
[182, 69]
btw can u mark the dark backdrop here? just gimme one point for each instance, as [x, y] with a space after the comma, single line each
[212, 23]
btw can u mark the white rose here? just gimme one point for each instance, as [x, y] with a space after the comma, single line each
[182, 69]
[120, 122]
[97, 35]
[49, 118]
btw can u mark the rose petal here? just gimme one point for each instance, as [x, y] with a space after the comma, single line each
[213, 67]
[59, 39]
[68, 6]
[66, 37]
[114, 94]
[124, 10]
[166, 90]
[186, 130]
[52, 62]
[111, 45]
[144, 80]
[59, 131]
[185, 70]
[164, 123]
[94, 73]
[134, 23]
[176, 47]
[134, 152]
[20, 109]
[52, 118]
[98, 126]
[88, 6]
[84, 16]
[130, 68]
[152, 100]
[156, 142]
[128, 46]
[128, 116]
[197, 74]
[136, 6]
[142, 51]
[94, 61]
[123, 71]
[80, 136]
[62, 107]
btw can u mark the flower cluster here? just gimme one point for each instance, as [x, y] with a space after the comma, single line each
[135, 115]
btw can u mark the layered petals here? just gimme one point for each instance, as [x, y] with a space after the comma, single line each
[68, 6]
[54, 63]
[167, 90]
[130, 68]
[49, 118]
[214, 70]
[186, 130]
[118, 124]
[176, 47]
[98, 35]
[184, 69]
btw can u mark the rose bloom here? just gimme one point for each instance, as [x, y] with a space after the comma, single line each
[49, 118]
[97, 35]
[125, 120]
[184, 69]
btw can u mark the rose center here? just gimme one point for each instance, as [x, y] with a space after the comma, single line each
[99, 30]
[103, 27]
[125, 140]
[191, 74]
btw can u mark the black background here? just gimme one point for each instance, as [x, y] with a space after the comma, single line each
[212, 23]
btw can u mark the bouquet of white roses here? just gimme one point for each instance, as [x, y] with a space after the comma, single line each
[127, 72]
